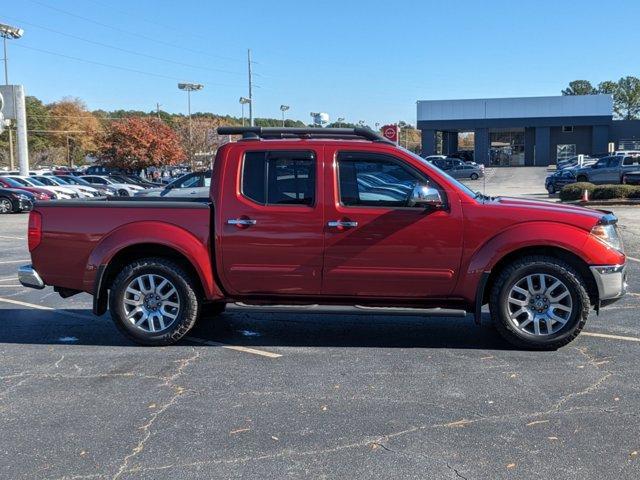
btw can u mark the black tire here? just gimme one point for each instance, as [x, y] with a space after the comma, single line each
[582, 178]
[187, 313]
[517, 270]
[123, 193]
[551, 189]
[474, 176]
[6, 205]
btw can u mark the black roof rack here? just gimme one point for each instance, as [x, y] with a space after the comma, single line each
[256, 133]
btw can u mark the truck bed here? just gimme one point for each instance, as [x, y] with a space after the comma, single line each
[75, 229]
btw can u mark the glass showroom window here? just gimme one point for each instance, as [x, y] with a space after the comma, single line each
[565, 151]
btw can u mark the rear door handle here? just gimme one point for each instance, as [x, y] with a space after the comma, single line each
[241, 222]
[342, 224]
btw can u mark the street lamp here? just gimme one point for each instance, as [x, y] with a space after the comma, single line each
[244, 101]
[339, 121]
[190, 87]
[7, 31]
[283, 108]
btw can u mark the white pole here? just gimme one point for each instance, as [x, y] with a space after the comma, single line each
[21, 122]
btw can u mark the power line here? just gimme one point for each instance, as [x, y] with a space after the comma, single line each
[118, 67]
[135, 34]
[125, 50]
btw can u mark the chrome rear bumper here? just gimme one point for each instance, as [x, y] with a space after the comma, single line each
[611, 281]
[29, 277]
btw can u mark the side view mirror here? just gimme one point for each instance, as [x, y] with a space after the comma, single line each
[425, 196]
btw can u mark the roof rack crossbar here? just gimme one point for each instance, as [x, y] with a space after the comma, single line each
[255, 133]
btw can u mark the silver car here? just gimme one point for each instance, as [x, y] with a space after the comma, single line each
[192, 185]
[472, 172]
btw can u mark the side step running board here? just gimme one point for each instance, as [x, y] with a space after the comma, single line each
[346, 310]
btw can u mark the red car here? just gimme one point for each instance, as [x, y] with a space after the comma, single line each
[39, 193]
[329, 216]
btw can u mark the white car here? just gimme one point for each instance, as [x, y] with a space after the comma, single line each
[124, 189]
[82, 191]
[61, 192]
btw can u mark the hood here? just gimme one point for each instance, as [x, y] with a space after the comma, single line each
[537, 210]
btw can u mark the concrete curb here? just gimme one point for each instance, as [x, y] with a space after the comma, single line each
[603, 203]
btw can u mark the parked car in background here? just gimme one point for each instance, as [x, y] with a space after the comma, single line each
[123, 189]
[13, 200]
[103, 190]
[82, 191]
[432, 158]
[632, 178]
[574, 162]
[609, 169]
[554, 182]
[195, 185]
[39, 193]
[133, 180]
[60, 192]
[465, 170]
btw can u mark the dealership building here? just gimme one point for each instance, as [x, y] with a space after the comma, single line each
[528, 130]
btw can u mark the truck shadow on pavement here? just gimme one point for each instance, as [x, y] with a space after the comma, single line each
[254, 329]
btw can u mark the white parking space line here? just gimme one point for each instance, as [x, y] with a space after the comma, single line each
[611, 337]
[12, 238]
[6, 279]
[191, 339]
[11, 286]
[16, 261]
[633, 259]
[49, 309]
[237, 348]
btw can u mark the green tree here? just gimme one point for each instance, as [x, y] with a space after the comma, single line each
[626, 99]
[607, 87]
[579, 87]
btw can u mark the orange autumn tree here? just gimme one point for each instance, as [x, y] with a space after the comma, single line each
[135, 143]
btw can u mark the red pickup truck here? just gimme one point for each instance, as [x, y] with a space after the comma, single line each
[329, 217]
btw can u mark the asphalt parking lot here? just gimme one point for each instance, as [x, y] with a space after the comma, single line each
[274, 395]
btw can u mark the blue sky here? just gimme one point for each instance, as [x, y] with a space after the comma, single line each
[363, 60]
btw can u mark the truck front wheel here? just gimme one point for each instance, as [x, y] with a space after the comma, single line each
[153, 301]
[539, 302]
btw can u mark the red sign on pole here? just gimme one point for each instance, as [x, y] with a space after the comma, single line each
[390, 132]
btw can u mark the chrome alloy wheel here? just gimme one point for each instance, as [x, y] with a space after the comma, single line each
[5, 205]
[151, 303]
[539, 304]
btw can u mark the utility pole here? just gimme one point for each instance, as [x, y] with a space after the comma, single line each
[158, 110]
[12, 161]
[250, 88]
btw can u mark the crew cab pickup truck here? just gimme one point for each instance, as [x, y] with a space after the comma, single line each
[610, 169]
[329, 217]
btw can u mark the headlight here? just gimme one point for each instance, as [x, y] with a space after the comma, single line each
[608, 234]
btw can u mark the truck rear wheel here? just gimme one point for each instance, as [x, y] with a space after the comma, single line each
[539, 302]
[153, 301]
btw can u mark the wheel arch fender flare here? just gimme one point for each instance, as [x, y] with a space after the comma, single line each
[193, 249]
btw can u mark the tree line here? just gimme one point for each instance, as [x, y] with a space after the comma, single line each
[625, 92]
[66, 132]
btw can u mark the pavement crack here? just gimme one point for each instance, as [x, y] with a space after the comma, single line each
[146, 429]
[455, 470]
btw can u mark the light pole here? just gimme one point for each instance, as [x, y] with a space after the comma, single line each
[339, 121]
[244, 101]
[190, 87]
[283, 108]
[7, 31]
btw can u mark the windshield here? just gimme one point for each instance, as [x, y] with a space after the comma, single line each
[12, 182]
[45, 181]
[452, 180]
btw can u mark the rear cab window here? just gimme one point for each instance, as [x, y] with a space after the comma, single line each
[285, 177]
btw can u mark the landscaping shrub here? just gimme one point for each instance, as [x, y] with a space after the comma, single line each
[636, 193]
[573, 191]
[608, 192]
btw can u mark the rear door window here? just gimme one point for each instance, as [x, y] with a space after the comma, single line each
[279, 177]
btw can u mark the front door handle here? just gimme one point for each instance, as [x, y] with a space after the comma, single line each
[342, 224]
[241, 222]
